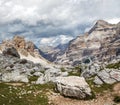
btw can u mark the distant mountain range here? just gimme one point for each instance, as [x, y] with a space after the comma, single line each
[101, 43]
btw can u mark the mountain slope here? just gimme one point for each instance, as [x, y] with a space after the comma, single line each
[51, 53]
[101, 43]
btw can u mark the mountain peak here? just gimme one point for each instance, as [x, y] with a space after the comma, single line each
[100, 24]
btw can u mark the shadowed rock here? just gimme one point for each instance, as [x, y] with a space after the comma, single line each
[11, 52]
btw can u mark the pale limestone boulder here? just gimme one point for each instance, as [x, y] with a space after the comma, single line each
[73, 86]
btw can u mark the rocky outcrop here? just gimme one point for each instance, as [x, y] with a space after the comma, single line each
[23, 47]
[101, 44]
[73, 86]
[19, 42]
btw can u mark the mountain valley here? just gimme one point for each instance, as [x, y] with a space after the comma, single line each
[86, 68]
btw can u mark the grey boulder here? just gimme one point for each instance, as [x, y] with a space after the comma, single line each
[73, 86]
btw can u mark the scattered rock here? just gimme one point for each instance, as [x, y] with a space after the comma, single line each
[37, 74]
[15, 77]
[64, 74]
[16, 69]
[51, 74]
[107, 76]
[40, 80]
[23, 61]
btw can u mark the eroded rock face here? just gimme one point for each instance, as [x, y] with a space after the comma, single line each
[73, 86]
[21, 45]
[29, 46]
[19, 42]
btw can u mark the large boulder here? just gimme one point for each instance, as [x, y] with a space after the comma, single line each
[73, 86]
[105, 76]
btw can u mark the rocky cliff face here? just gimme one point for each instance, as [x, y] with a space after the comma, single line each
[101, 43]
[26, 49]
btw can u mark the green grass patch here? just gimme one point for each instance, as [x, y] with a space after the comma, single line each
[33, 78]
[75, 72]
[26, 94]
[116, 99]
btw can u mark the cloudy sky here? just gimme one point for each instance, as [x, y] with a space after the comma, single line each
[53, 21]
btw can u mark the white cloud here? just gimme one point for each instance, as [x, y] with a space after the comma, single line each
[58, 12]
[54, 41]
[114, 20]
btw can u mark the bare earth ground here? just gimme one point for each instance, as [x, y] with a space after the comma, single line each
[101, 99]
[15, 84]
